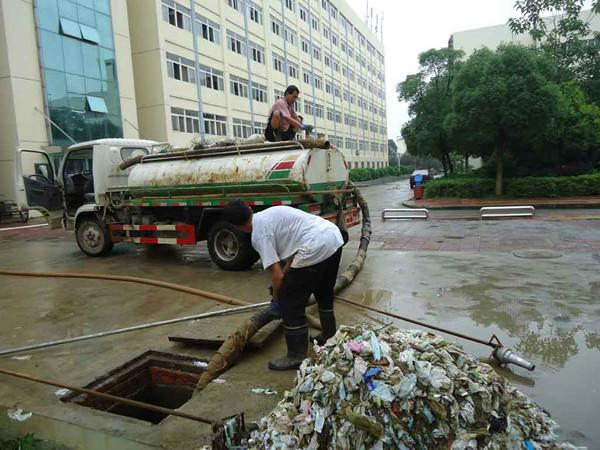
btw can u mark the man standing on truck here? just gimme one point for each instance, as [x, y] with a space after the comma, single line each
[313, 247]
[283, 122]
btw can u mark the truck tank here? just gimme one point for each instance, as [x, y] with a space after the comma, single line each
[292, 165]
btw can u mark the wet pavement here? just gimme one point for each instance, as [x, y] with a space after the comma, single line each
[535, 283]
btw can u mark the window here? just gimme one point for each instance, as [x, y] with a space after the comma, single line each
[326, 33]
[235, 4]
[303, 14]
[276, 26]
[89, 34]
[278, 94]
[236, 43]
[257, 53]
[305, 46]
[316, 54]
[259, 127]
[330, 114]
[290, 36]
[292, 70]
[96, 104]
[327, 60]
[306, 77]
[177, 15]
[334, 12]
[277, 63]
[318, 81]
[242, 128]
[350, 74]
[209, 30]
[215, 125]
[336, 90]
[334, 38]
[70, 28]
[184, 120]
[259, 92]
[181, 68]
[350, 51]
[211, 78]
[346, 93]
[289, 4]
[314, 23]
[255, 12]
[328, 88]
[319, 110]
[343, 46]
[352, 98]
[336, 65]
[324, 4]
[238, 86]
[308, 108]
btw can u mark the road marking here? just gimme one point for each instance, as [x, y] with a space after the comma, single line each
[25, 226]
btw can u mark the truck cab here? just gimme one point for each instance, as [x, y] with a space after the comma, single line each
[86, 172]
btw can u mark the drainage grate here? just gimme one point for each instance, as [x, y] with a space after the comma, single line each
[161, 379]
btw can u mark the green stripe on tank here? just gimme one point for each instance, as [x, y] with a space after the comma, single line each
[278, 174]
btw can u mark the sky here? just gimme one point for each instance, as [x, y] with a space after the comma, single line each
[413, 26]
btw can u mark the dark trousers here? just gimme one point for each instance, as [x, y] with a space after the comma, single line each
[299, 283]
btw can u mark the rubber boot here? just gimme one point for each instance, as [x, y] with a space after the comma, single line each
[327, 318]
[297, 349]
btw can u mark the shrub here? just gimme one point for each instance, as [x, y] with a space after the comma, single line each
[364, 174]
[476, 187]
[460, 186]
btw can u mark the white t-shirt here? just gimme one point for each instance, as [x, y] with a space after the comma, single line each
[282, 231]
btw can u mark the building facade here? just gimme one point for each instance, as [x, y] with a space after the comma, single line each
[66, 62]
[175, 70]
[491, 37]
[245, 53]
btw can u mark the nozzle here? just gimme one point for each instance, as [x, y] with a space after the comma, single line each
[505, 355]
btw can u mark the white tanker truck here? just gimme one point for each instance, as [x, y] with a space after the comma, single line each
[122, 190]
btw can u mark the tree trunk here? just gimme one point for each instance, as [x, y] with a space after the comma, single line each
[444, 164]
[450, 165]
[500, 148]
[466, 163]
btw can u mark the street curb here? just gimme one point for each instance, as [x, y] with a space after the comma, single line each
[411, 204]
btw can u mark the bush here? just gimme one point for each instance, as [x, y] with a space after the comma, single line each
[462, 186]
[372, 174]
[465, 186]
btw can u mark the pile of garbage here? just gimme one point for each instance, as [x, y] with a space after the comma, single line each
[387, 388]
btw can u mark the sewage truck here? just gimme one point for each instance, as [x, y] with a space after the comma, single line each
[110, 191]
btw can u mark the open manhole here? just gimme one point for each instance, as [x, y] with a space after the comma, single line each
[158, 378]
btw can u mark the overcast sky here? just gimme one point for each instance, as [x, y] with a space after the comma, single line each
[413, 26]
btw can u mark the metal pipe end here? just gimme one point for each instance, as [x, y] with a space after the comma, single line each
[505, 355]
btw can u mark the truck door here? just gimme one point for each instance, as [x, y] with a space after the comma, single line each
[37, 187]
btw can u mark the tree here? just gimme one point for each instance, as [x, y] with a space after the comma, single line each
[503, 101]
[558, 29]
[392, 153]
[429, 94]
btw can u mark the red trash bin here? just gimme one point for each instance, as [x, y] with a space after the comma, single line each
[418, 192]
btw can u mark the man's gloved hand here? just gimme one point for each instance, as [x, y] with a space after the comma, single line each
[275, 311]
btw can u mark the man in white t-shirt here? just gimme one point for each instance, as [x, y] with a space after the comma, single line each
[312, 247]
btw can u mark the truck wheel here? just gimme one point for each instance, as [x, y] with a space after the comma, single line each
[229, 248]
[93, 237]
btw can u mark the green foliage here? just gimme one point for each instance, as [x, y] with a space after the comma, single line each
[554, 186]
[502, 99]
[392, 153]
[372, 174]
[560, 31]
[460, 187]
[468, 186]
[27, 442]
[429, 95]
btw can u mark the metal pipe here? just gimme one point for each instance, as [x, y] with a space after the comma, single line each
[143, 326]
[110, 397]
[502, 354]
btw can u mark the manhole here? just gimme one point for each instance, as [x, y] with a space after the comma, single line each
[161, 379]
[537, 254]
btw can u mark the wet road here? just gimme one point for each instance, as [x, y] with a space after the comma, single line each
[533, 283]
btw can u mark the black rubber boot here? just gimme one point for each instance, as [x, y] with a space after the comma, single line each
[327, 319]
[297, 349]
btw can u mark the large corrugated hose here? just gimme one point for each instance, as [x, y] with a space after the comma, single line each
[233, 347]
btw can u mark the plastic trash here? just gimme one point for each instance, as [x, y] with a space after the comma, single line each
[18, 414]
[264, 391]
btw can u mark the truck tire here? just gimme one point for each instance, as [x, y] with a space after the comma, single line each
[229, 248]
[93, 237]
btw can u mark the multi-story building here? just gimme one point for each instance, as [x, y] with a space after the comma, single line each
[64, 62]
[170, 70]
[245, 53]
[491, 37]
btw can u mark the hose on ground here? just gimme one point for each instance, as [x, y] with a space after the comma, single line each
[233, 347]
